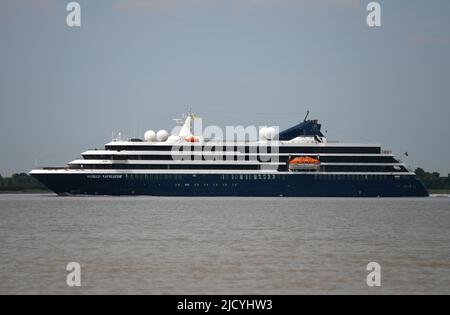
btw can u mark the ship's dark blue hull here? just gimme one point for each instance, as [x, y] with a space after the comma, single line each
[298, 185]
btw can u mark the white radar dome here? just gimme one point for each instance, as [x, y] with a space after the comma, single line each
[162, 135]
[150, 136]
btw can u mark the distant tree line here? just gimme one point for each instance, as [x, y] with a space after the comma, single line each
[20, 182]
[433, 180]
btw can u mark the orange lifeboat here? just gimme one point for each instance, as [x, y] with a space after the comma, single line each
[304, 164]
[304, 160]
[192, 139]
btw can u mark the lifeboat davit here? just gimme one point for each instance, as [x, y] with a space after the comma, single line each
[304, 164]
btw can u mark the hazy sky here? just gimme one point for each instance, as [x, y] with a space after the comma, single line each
[136, 64]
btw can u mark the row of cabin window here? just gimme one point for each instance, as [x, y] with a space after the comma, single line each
[205, 185]
[260, 158]
[253, 177]
[166, 167]
[324, 168]
[362, 168]
[253, 149]
[154, 176]
[356, 177]
[187, 148]
[227, 177]
[283, 159]
[248, 177]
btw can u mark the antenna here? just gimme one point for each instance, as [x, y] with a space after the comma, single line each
[191, 115]
[307, 114]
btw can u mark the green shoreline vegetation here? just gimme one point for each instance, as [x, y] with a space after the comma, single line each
[435, 183]
[22, 182]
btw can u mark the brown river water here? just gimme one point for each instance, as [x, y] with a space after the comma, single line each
[149, 245]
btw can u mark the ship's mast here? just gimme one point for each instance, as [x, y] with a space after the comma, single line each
[191, 116]
[187, 128]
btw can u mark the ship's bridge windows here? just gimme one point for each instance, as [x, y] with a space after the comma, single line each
[171, 166]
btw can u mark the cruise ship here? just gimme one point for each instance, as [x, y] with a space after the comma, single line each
[297, 162]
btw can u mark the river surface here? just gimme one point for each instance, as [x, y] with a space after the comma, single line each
[149, 245]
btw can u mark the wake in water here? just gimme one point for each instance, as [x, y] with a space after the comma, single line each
[440, 195]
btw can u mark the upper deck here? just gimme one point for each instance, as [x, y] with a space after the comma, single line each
[249, 147]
